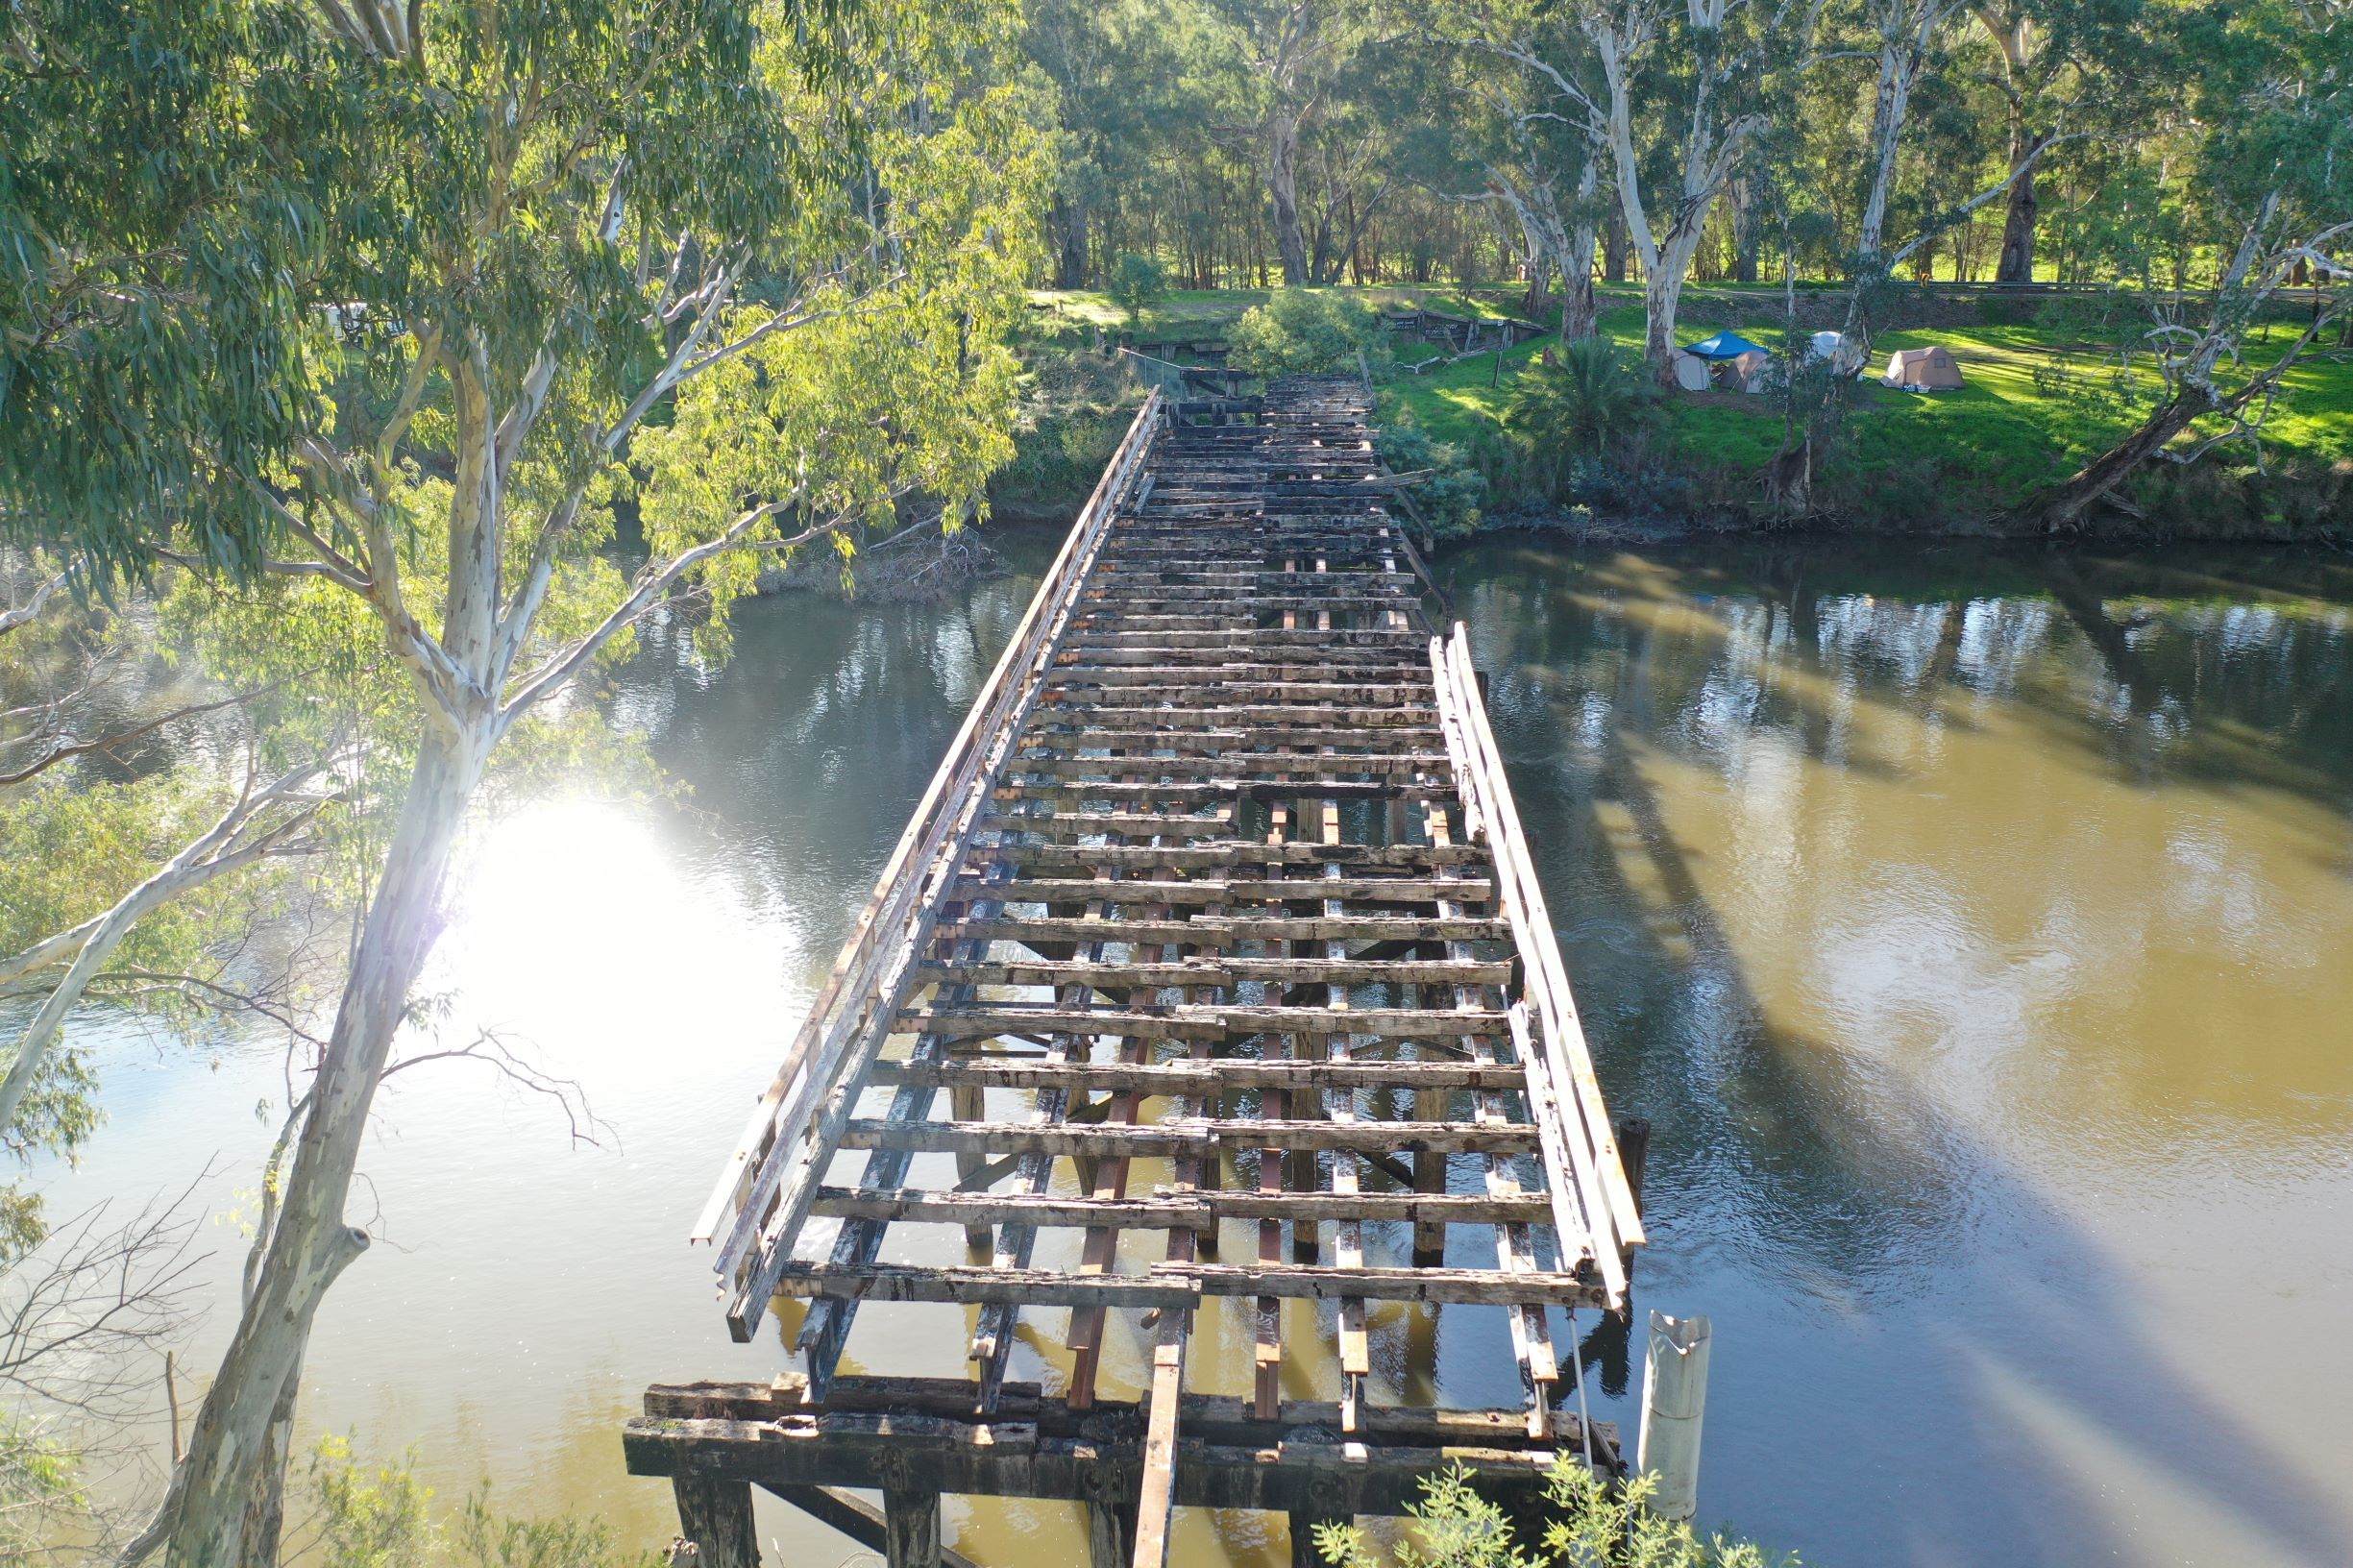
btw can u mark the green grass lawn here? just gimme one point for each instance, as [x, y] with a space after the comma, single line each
[2002, 431]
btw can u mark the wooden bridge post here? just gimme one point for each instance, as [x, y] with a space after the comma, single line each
[966, 1102]
[1633, 1153]
[715, 1514]
[911, 1528]
[1303, 1523]
[1429, 1179]
[1110, 1531]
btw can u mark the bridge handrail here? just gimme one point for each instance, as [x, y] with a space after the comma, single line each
[850, 1017]
[1561, 1069]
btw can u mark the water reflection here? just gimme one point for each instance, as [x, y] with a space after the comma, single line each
[1976, 929]
[1975, 942]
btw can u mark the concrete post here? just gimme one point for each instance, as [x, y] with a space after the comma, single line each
[1674, 1398]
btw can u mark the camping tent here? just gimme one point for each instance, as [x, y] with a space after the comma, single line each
[1749, 373]
[1922, 370]
[1844, 353]
[1690, 372]
[1725, 345]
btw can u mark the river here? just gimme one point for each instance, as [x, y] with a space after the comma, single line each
[1975, 928]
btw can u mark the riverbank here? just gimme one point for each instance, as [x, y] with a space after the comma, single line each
[2042, 397]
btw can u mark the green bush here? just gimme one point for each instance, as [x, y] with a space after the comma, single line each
[1574, 402]
[1306, 332]
[362, 1516]
[1449, 500]
[1595, 1527]
[1075, 406]
[1136, 282]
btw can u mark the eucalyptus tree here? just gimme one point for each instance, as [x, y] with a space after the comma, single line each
[372, 312]
[1290, 54]
[1651, 86]
[152, 826]
[1528, 150]
[2267, 170]
[1909, 37]
[1378, 98]
[1116, 74]
[2051, 60]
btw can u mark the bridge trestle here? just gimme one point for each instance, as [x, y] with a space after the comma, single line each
[1220, 930]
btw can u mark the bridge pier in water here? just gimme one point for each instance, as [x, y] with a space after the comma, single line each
[1218, 917]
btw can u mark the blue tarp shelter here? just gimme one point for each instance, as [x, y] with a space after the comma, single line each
[1726, 345]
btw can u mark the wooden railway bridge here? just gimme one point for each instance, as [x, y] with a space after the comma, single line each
[1211, 973]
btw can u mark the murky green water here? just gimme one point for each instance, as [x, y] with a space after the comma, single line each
[1976, 929]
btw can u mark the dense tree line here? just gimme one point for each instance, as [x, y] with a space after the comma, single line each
[1253, 142]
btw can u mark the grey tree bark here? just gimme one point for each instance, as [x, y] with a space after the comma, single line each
[1282, 190]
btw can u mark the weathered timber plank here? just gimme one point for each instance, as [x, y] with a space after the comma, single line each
[1403, 857]
[1172, 1137]
[1437, 1208]
[846, 1451]
[1190, 738]
[1196, 1075]
[965, 1020]
[1351, 928]
[1438, 1287]
[1080, 928]
[1223, 788]
[1095, 974]
[1043, 1286]
[945, 1207]
[1027, 1414]
[1073, 889]
[1229, 761]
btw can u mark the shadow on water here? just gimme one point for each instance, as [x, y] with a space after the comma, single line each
[1926, 1354]
[801, 750]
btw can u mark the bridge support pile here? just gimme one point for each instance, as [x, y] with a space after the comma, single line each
[1219, 933]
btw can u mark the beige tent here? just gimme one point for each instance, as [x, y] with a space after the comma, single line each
[1924, 370]
[1745, 374]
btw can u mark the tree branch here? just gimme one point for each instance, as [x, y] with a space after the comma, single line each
[65, 748]
[27, 612]
[651, 583]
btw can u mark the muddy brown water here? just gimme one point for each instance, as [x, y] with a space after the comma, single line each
[1975, 928]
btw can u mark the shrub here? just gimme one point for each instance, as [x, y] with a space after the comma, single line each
[1594, 1527]
[1299, 332]
[1572, 402]
[1075, 405]
[1449, 497]
[1135, 282]
[376, 1517]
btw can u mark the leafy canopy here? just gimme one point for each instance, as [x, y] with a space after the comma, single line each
[1303, 332]
[406, 305]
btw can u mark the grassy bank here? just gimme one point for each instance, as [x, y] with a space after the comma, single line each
[2040, 401]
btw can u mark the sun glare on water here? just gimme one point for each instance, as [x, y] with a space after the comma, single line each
[581, 927]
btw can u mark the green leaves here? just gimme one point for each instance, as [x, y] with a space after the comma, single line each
[1304, 332]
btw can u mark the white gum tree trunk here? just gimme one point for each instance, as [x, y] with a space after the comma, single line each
[1710, 154]
[313, 1243]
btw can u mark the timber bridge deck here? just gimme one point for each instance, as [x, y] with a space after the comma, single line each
[1217, 940]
